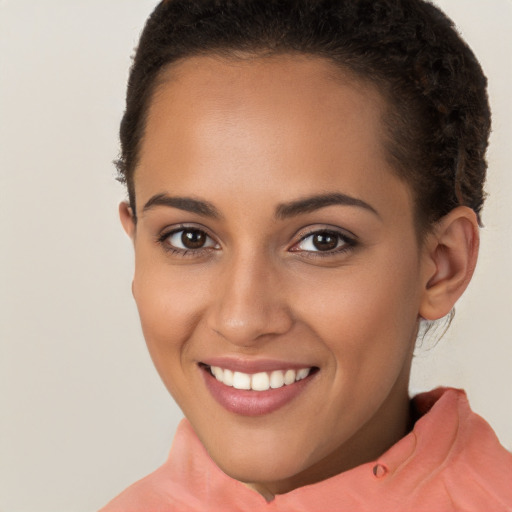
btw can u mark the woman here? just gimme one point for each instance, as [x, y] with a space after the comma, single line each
[305, 183]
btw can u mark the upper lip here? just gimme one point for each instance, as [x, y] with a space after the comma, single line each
[253, 365]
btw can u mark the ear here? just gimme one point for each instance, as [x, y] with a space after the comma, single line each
[451, 255]
[127, 219]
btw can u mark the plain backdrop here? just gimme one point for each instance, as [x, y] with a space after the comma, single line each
[82, 411]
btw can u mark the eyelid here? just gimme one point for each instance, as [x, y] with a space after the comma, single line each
[171, 240]
[321, 228]
[350, 239]
[168, 231]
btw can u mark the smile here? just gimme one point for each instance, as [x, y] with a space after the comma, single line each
[261, 389]
[261, 381]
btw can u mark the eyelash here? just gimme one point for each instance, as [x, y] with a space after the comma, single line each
[163, 238]
[348, 243]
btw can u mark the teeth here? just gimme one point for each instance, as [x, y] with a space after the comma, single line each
[302, 374]
[259, 381]
[276, 379]
[218, 373]
[289, 377]
[241, 380]
[227, 377]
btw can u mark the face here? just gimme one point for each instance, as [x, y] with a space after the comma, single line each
[278, 275]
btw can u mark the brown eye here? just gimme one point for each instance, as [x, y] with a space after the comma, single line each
[193, 239]
[325, 241]
[188, 240]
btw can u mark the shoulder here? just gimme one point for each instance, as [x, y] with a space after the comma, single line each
[451, 460]
[485, 464]
[476, 471]
[153, 493]
[168, 488]
[144, 495]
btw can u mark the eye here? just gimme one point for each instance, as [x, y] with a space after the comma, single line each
[325, 241]
[187, 239]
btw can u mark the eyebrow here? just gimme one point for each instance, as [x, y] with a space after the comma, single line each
[283, 211]
[187, 204]
[312, 203]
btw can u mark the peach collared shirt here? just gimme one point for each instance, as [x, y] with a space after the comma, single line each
[450, 461]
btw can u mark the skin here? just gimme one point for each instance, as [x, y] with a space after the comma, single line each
[246, 136]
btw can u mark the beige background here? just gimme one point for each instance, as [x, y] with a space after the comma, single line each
[82, 412]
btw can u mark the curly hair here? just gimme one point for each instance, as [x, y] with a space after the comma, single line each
[438, 117]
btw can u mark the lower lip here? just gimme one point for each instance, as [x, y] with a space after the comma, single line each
[253, 403]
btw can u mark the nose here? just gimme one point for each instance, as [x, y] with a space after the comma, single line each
[250, 302]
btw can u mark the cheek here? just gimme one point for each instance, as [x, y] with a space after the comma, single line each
[366, 315]
[170, 306]
[366, 320]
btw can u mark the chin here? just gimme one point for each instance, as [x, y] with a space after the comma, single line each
[260, 463]
[259, 471]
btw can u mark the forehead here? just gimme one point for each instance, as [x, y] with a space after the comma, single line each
[263, 121]
[308, 87]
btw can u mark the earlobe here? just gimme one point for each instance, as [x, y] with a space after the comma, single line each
[127, 219]
[452, 252]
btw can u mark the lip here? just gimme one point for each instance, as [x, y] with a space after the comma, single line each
[253, 403]
[253, 366]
